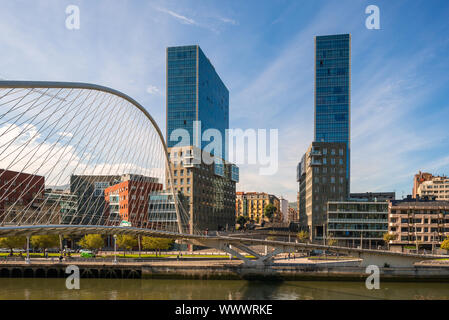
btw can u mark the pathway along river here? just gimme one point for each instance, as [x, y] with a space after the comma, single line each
[214, 289]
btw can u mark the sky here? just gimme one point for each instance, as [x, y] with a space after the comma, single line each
[264, 53]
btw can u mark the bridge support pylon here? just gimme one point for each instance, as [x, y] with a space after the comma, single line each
[259, 261]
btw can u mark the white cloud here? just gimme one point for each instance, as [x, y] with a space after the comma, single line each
[153, 90]
[178, 16]
[228, 20]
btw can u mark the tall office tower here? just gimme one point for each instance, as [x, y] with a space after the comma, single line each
[333, 91]
[197, 99]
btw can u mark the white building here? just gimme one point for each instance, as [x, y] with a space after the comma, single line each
[284, 209]
[437, 187]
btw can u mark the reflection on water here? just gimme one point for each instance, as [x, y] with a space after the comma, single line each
[215, 290]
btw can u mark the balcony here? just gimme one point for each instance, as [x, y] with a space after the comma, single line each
[314, 162]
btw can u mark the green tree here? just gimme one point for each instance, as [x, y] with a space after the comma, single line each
[91, 241]
[445, 244]
[45, 241]
[157, 244]
[270, 211]
[389, 237]
[13, 242]
[330, 240]
[303, 236]
[126, 242]
[241, 220]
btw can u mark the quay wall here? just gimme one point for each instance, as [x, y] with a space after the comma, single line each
[303, 272]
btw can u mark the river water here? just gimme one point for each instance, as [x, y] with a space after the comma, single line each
[214, 289]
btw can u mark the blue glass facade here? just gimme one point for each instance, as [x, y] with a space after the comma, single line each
[195, 92]
[332, 90]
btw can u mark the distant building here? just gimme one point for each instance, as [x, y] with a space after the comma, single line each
[89, 189]
[209, 189]
[373, 196]
[62, 202]
[252, 205]
[418, 179]
[418, 220]
[322, 178]
[21, 197]
[162, 211]
[292, 215]
[284, 209]
[127, 200]
[434, 187]
[355, 223]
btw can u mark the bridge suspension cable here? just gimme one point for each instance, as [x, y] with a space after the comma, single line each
[82, 154]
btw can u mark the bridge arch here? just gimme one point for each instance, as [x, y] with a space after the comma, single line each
[20, 103]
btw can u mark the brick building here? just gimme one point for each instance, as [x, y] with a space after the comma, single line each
[128, 199]
[21, 196]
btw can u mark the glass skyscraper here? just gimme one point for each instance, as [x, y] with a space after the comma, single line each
[195, 92]
[333, 90]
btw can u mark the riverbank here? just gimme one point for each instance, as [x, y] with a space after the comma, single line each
[299, 270]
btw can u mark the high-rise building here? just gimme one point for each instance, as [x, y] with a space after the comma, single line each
[331, 132]
[197, 99]
[322, 178]
[333, 91]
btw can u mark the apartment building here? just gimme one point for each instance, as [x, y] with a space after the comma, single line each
[252, 205]
[322, 177]
[208, 187]
[435, 187]
[357, 223]
[418, 220]
[128, 199]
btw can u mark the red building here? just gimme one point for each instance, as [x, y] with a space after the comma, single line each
[19, 191]
[128, 199]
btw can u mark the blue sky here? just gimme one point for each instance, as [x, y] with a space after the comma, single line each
[263, 51]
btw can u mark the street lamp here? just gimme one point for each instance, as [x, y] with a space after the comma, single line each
[115, 249]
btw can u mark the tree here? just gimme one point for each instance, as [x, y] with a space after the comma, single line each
[445, 244]
[150, 243]
[389, 237]
[126, 242]
[241, 220]
[269, 211]
[45, 241]
[91, 241]
[330, 240]
[12, 242]
[303, 236]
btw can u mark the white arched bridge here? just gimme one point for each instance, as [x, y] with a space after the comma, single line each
[78, 158]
